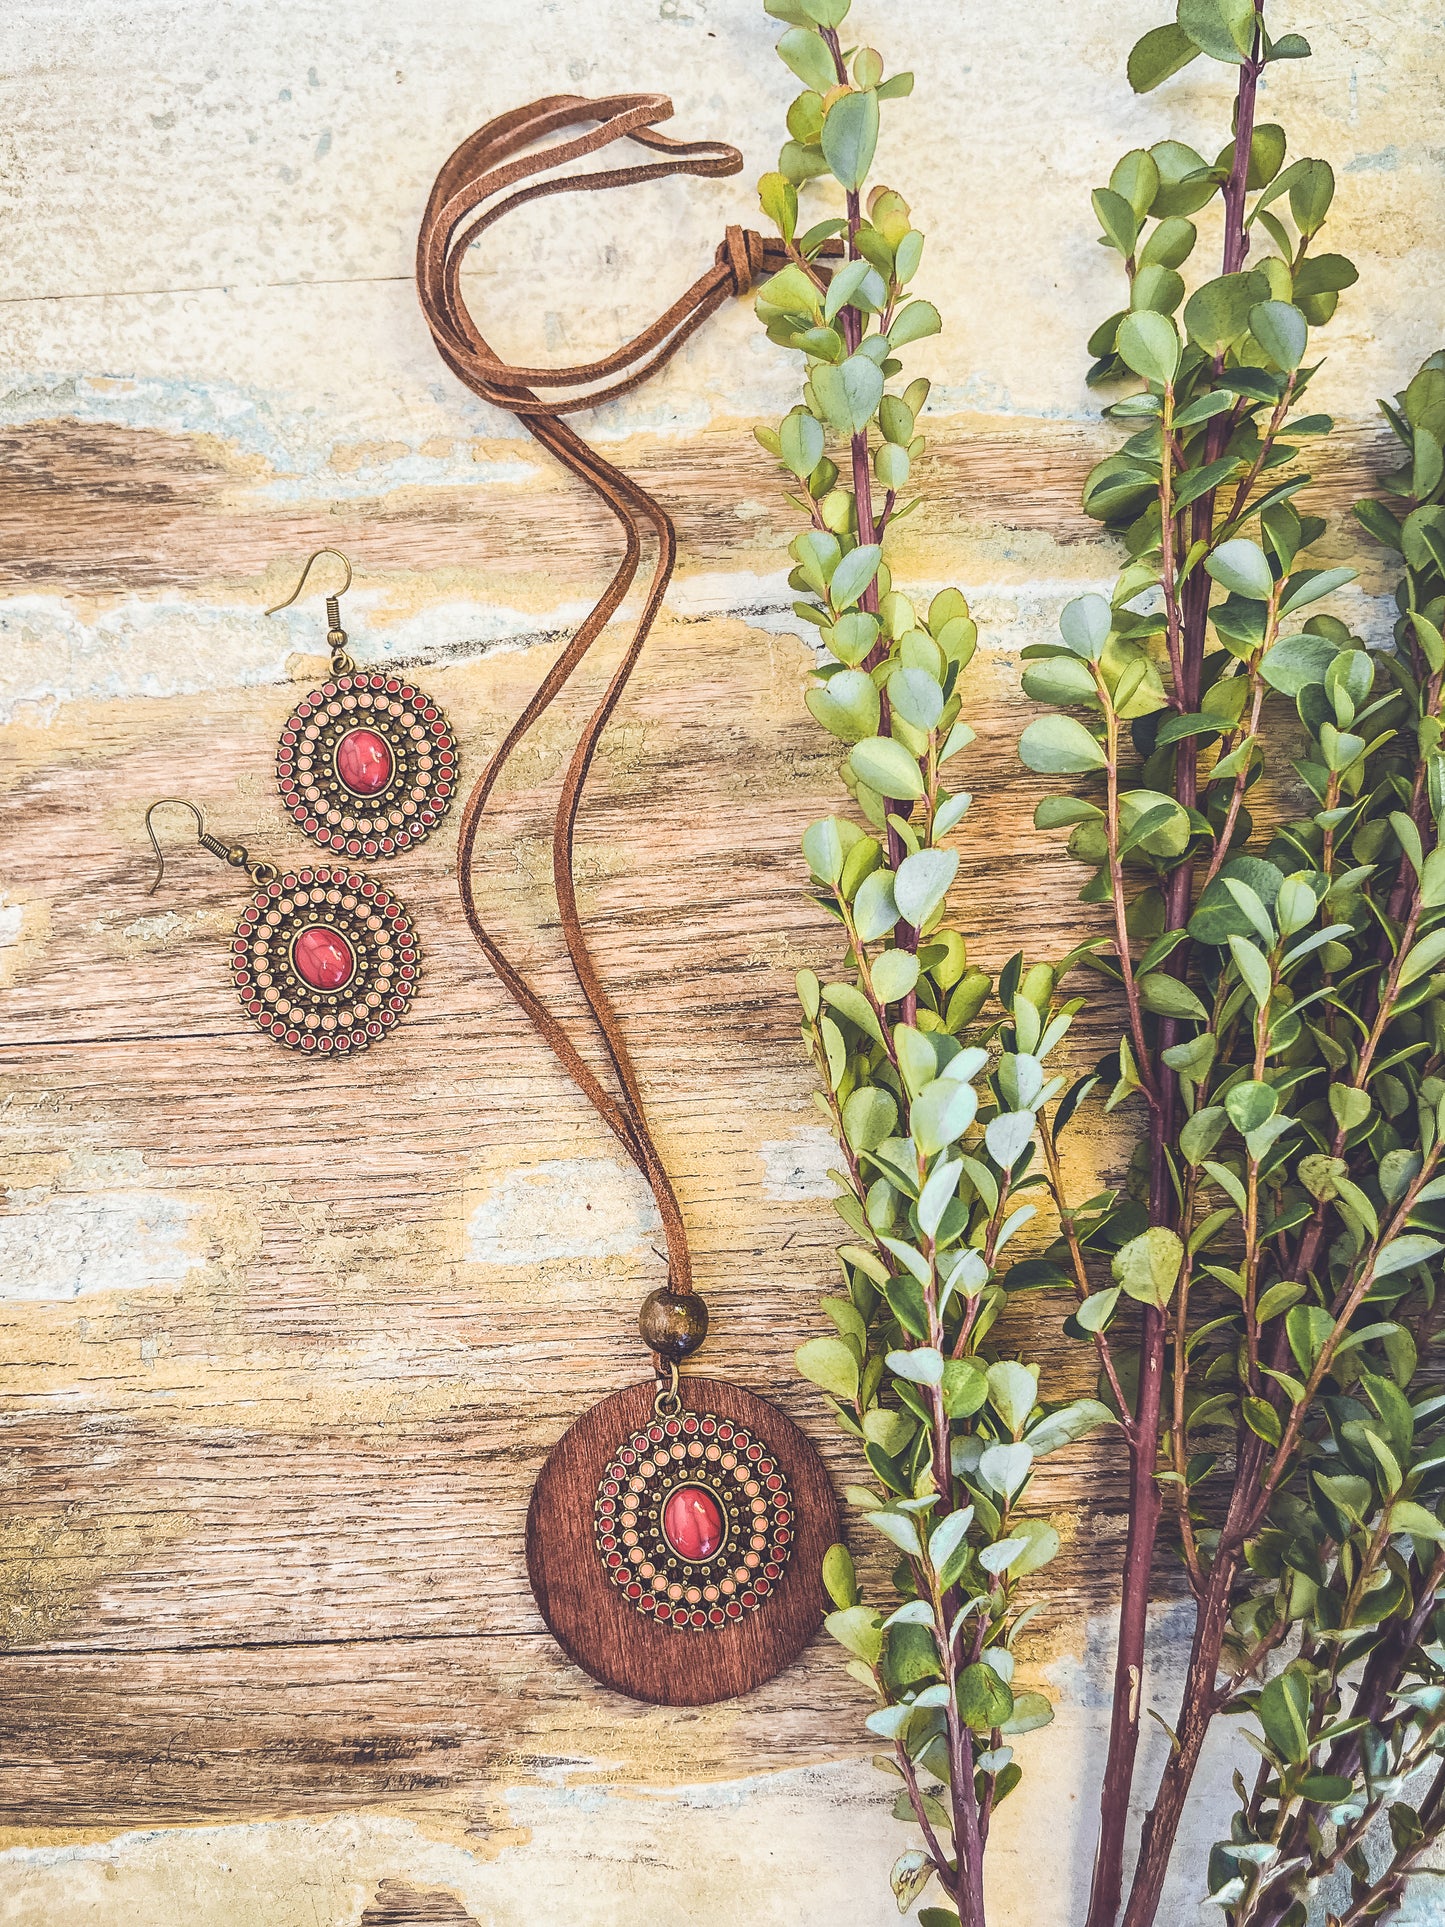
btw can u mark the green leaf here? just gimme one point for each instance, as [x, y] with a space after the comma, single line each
[891, 465]
[886, 766]
[850, 1002]
[1117, 219]
[848, 392]
[1161, 52]
[1136, 177]
[1013, 1392]
[984, 1702]
[831, 1364]
[1310, 195]
[1058, 745]
[895, 972]
[846, 705]
[1403, 1254]
[779, 201]
[1096, 1310]
[1253, 967]
[839, 1577]
[1223, 29]
[874, 910]
[1168, 996]
[1240, 565]
[1169, 246]
[941, 1113]
[1041, 1543]
[1063, 1427]
[921, 883]
[1217, 314]
[896, 87]
[1406, 1516]
[856, 284]
[1349, 1107]
[852, 636]
[1149, 344]
[917, 696]
[823, 849]
[1282, 331]
[1202, 1132]
[853, 574]
[857, 1629]
[869, 1116]
[947, 1536]
[816, 554]
[1308, 1328]
[1085, 624]
[965, 1386]
[913, 323]
[898, 1527]
[1030, 1710]
[1217, 916]
[1298, 662]
[1147, 1267]
[1423, 957]
[1324, 274]
[923, 1365]
[1283, 1709]
[805, 53]
[1262, 1419]
[1248, 1104]
[1061, 680]
[800, 440]
[850, 137]
[1309, 585]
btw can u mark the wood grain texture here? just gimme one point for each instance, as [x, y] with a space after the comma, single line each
[399, 1905]
[286, 1344]
[610, 1639]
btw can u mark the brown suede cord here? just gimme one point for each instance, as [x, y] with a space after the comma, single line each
[486, 165]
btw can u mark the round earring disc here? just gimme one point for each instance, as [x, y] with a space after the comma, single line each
[697, 1523]
[367, 765]
[325, 961]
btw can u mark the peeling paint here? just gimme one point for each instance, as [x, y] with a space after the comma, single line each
[563, 1208]
[798, 1167]
[57, 1248]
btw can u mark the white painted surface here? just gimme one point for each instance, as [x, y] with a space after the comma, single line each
[561, 1209]
[56, 1248]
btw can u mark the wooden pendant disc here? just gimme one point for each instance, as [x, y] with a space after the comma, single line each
[592, 1621]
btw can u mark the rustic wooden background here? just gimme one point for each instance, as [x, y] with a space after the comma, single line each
[285, 1342]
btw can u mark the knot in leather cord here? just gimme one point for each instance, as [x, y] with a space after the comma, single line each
[742, 250]
[491, 172]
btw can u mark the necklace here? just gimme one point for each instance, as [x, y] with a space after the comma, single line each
[681, 1505]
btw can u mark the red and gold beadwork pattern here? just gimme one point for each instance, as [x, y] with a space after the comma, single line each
[694, 1521]
[325, 961]
[367, 765]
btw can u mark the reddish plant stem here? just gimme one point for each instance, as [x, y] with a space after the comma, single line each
[1145, 1505]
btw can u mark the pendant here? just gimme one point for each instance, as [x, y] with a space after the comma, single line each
[325, 961]
[675, 1541]
[367, 765]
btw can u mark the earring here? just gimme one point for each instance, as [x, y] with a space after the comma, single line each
[325, 961]
[366, 763]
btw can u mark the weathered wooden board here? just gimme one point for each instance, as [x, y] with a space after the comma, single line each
[285, 1343]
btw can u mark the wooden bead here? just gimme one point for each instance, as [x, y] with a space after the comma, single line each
[672, 1323]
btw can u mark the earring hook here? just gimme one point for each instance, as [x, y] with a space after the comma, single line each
[235, 854]
[312, 558]
[169, 802]
[341, 663]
